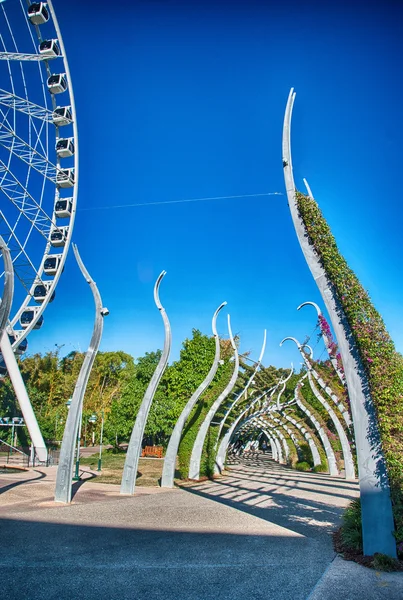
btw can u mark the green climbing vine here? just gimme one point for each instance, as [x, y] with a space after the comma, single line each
[382, 364]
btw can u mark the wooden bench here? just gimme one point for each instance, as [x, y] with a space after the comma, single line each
[153, 451]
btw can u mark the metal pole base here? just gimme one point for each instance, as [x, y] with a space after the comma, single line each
[77, 472]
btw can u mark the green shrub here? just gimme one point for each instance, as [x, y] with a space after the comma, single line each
[351, 529]
[320, 468]
[383, 562]
[302, 466]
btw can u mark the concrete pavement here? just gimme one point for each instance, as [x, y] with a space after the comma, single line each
[261, 532]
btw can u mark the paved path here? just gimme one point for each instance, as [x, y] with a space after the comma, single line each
[260, 533]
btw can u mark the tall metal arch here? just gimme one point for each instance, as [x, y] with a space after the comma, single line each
[195, 459]
[66, 459]
[133, 451]
[168, 472]
[376, 506]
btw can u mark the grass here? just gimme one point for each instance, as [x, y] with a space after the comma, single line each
[148, 474]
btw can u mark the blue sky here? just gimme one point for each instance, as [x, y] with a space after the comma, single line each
[183, 100]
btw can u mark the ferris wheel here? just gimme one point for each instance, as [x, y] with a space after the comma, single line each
[38, 163]
[38, 158]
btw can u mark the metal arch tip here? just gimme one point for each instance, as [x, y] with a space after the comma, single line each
[81, 265]
[309, 348]
[309, 303]
[293, 339]
[220, 308]
[308, 189]
[231, 337]
[156, 290]
[214, 319]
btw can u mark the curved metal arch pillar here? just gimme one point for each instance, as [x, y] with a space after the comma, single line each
[134, 449]
[245, 389]
[276, 431]
[222, 449]
[376, 505]
[277, 440]
[326, 341]
[291, 435]
[330, 456]
[66, 459]
[309, 439]
[168, 472]
[345, 446]
[322, 384]
[235, 426]
[274, 449]
[11, 362]
[195, 459]
[336, 401]
[280, 457]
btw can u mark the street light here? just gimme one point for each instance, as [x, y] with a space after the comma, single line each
[93, 419]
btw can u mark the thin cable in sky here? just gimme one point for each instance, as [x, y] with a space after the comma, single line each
[180, 201]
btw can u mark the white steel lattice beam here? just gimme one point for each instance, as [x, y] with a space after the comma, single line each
[27, 154]
[25, 106]
[24, 56]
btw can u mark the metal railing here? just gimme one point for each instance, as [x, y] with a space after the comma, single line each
[23, 456]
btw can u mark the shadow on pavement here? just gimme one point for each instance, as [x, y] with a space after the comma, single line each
[64, 561]
[15, 484]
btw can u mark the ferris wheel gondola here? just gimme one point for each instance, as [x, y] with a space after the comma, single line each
[38, 162]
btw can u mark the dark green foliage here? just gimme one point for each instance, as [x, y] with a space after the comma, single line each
[306, 454]
[320, 468]
[198, 414]
[303, 466]
[351, 530]
[383, 562]
[293, 456]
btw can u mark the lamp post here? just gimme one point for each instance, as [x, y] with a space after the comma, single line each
[93, 419]
[100, 442]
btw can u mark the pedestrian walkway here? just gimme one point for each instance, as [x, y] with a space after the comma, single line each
[261, 532]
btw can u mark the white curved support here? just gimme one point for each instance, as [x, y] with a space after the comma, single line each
[308, 437]
[168, 472]
[284, 383]
[376, 506]
[326, 340]
[344, 412]
[195, 459]
[279, 426]
[331, 458]
[345, 446]
[274, 448]
[134, 449]
[279, 441]
[11, 362]
[245, 389]
[330, 455]
[223, 447]
[66, 459]
[346, 451]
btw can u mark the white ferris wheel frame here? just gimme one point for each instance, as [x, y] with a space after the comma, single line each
[37, 159]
